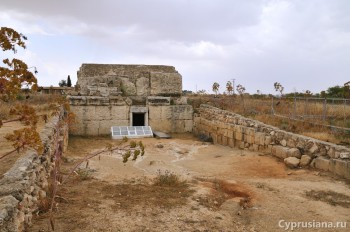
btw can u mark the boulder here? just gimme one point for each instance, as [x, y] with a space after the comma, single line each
[305, 160]
[292, 162]
[294, 152]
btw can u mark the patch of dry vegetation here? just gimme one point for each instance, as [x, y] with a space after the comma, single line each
[259, 108]
[330, 197]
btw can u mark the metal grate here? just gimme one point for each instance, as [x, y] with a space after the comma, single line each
[119, 132]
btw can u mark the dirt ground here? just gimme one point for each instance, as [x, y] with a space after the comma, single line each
[225, 190]
[6, 146]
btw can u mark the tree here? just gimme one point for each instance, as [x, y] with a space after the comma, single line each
[216, 87]
[335, 92]
[13, 76]
[241, 90]
[347, 89]
[308, 93]
[62, 83]
[15, 73]
[279, 87]
[202, 92]
[229, 87]
[69, 82]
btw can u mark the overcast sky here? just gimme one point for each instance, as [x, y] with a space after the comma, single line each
[303, 44]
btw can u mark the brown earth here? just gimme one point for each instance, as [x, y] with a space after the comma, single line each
[226, 190]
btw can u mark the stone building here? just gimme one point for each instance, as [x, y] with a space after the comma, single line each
[129, 95]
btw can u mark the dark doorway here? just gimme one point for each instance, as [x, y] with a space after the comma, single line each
[138, 119]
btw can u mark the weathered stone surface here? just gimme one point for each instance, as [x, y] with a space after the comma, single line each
[294, 152]
[247, 133]
[344, 155]
[321, 163]
[158, 101]
[284, 142]
[164, 84]
[24, 183]
[128, 88]
[292, 162]
[280, 151]
[340, 167]
[142, 86]
[305, 160]
[313, 148]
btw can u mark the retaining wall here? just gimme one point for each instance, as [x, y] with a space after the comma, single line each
[230, 129]
[24, 186]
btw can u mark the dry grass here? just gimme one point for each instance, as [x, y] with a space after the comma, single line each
[4, 110]
[338, 114]
[167, 179]
[330, 197]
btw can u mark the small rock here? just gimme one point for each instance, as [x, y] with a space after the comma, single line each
[284, 142]
[294, 152]
[313, 149]
[344, 155]
[289, 173]
[159, 145]
[216, 203]
[305, 160]
[239, 213]
[292, 162]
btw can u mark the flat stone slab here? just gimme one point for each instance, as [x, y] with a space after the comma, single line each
[161, 135]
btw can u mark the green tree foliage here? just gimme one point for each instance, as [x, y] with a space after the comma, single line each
[229, 87]
[335, 92]
[69, 82]
[62, 83]
[215, 88]
[278, 87]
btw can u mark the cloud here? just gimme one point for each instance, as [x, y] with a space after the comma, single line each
[302, 44]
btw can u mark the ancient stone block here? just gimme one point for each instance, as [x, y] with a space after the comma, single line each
[165, 83]
[321, 163]
[142, 86]
[305, 160]
[340, 167]
[158, 101]
[280, 151]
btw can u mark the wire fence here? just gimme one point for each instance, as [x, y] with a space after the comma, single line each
[334, 112]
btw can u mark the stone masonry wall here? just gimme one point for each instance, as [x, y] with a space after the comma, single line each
[173, 118]
[97, 120]
[27, 182]
[129, 80]
[233, 130]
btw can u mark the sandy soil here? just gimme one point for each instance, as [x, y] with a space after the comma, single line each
[227, 190]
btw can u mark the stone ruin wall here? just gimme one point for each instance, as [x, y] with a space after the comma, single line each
[129, 80]
[97, 119]
[106, 93]
[26, 184]
[230, 129]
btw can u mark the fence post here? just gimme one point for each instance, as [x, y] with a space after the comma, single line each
[295, 107]
[272, 107]
[324, 109]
